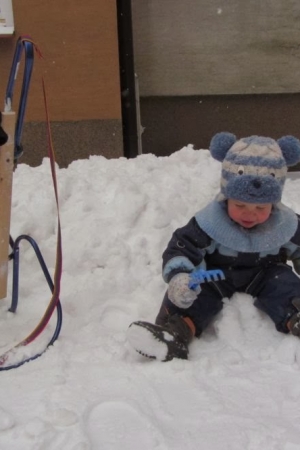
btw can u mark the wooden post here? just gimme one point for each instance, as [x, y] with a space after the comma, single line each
[6, 176]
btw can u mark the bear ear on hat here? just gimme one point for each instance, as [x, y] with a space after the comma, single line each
[220, 144]
[290, 147]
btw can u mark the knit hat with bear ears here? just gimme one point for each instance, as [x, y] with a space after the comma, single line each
[254, 168]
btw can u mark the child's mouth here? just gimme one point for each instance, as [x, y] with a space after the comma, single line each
[247, 223]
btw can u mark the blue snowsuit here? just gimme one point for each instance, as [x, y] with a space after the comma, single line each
[253, 260]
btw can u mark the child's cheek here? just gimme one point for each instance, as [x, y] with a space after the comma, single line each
[262, 217]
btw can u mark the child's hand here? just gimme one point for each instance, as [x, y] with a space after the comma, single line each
[179, 292]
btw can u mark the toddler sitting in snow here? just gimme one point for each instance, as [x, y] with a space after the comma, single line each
[247, 233]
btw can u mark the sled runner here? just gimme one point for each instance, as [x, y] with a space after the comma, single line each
[9, 153]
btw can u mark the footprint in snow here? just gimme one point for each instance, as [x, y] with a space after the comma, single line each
[62, 417]
[116, 425]
[288, 351]
[6, 420]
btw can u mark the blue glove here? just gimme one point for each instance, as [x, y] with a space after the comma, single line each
[179, 292]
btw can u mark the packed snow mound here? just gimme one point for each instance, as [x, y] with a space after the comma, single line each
[238, 390]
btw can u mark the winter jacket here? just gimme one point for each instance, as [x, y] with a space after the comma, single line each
[211, 240]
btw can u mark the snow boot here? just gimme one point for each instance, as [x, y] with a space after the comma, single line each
[162, 342]
[294, 322]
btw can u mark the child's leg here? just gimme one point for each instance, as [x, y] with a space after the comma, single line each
[202, 311]
[275, 293]
[174, 328]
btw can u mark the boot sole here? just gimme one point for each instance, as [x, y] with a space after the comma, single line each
[155, 342]
[146, 343]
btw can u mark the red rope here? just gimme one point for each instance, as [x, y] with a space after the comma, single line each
[58, 265]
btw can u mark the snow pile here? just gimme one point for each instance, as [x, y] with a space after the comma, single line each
[239, 390]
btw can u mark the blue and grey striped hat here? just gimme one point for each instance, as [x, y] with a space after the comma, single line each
[254, 168]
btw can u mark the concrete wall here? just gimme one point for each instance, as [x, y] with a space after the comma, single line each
[79, 42]
[216, 47]
[206, 66]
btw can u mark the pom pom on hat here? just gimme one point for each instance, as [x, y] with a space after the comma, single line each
[220, 144]
[254, 168]
[290, 147]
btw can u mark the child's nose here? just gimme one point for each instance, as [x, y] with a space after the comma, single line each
[250, 212]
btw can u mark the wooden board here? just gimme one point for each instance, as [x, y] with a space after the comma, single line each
[79, 43]
[6, 174]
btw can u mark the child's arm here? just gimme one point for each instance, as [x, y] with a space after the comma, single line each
[293, 249]
[185, 251]
[296, 264]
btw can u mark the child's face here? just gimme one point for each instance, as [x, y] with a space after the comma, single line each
[248, 214]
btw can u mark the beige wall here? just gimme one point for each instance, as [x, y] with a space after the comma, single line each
[79, 43]
[199, 47]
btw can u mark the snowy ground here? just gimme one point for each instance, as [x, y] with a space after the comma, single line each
[240, 389]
